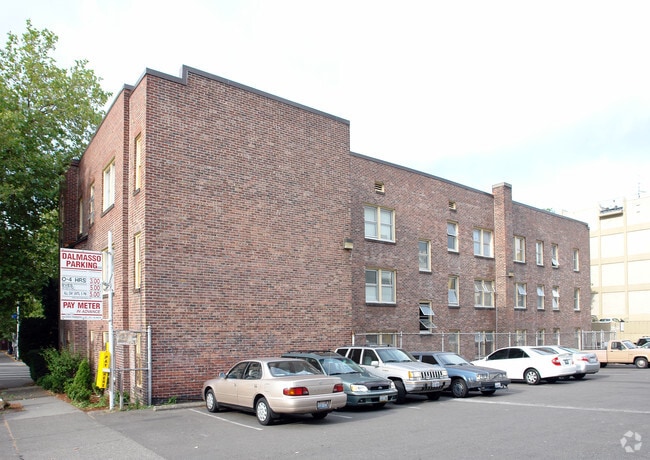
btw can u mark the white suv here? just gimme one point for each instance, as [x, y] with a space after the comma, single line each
[408, 374]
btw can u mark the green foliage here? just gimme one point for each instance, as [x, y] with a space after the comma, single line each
[37, 365]
[80, 388]
[47, 117]
[62, 367]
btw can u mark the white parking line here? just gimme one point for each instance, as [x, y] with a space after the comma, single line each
[339, 415]
[550, 406]
[226, 420]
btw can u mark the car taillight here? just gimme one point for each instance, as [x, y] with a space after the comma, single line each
[338, 388]
[584, 358]
[296, 391]
[556, 361]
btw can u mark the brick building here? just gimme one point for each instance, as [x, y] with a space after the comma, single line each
[243, 225]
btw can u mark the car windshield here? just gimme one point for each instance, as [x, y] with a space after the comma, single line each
[287, 368]
[452, 359]
[335, 366]
[394, 355]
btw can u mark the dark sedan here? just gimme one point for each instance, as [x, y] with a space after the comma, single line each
[465, 376]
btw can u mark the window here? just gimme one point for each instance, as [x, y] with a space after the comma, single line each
[539, 253]
[91, 206]
[138, 162]
[520, 295]
[520, 249]
[379, 223]
[452, 290]
[484, 343]
[453, 341]
[424, 251]
[109, 186]
[483, 293]
[520, 340]
[540, 337]
[482, 242]
[555, 259]
[81, 216]
[576, 299]
[540, 297]
[452, 236]
[380, 286]
[556, 297]
[137, 263]
[556, 336]
[426, 317]
[576, 260]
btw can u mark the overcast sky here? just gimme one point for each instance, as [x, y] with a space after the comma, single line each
[552, 97]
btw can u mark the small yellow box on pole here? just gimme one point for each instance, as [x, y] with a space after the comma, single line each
[103, 369]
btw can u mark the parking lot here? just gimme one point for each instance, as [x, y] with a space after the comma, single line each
[606, 415]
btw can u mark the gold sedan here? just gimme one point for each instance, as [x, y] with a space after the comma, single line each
[270, 387]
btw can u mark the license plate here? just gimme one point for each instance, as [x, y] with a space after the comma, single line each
[436, 384]
[497, 385]
[323, 405]
[383, 398]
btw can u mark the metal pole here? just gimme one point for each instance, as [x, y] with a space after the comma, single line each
[17, 350]
[149, 364]
[111, 344]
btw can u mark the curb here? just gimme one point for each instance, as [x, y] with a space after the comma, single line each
[178, 406]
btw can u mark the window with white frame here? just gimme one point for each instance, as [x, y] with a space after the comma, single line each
[521, 336]
[424, 252]
[426, 317]
[539, 253]
[380, 286]
[576, 299]
[379, 223]
[91, 206]
[540, 297]
[540, 337]
[137, 262]
[483, 293]
[556, 336]
[452, 291]
[482, 242]
[555, 257]
[520, 249]
[576, 260]
[138, 163]
[520, 295]
[452, 236]
[109, 186]
[81, 216]
[556, 297]
[484, 343]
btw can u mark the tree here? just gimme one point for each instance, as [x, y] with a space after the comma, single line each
[47, 117]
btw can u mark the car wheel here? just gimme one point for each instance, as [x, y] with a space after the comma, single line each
[531, 376]
[641, 363]
[459, 388]
[579, 376]
[434, 395]
[211, 403]
[264, 412]
[401, 392]
[488, 392]
[319, 415]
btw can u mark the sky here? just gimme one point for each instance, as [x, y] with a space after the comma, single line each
[552, 97]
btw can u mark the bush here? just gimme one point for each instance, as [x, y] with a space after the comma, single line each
[62, 367]
[80, 388]
[36, 363]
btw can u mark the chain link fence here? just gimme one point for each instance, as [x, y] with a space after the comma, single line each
[476, 345]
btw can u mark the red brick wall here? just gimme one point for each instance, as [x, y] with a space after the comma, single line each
[421, 204]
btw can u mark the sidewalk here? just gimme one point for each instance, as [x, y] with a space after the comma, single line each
[49, 428]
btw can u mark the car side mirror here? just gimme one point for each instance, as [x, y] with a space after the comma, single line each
[222, 375]
[374, 363]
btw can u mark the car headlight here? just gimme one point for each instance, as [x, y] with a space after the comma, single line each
[480, 377]
[392, 385]
[445, 374]
[415, 375]
[356, 388]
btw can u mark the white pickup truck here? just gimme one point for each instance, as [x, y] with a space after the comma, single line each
[622, 352]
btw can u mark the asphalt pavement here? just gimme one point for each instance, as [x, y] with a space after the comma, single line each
[38, 425]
